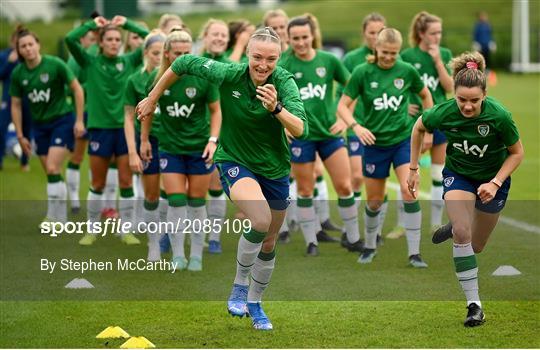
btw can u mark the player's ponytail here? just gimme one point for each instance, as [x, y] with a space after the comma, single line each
[468, 70]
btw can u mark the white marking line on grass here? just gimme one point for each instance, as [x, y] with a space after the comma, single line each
[522, 225]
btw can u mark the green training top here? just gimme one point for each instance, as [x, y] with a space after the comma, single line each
[477, 147]
[76, 69]
[385, 94]
[352, 60]
[423, 62]
[315, 80]
[220, 58]
[185, 116]
[45, 87]
[105, 77]
[135, 92]
[228, 52]
[250, 135]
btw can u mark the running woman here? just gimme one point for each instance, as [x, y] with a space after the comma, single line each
[106, 75]
[134, 93]
[190, 119]
[384, 84]
[371, 26]
[315, 72]
[43, 80]
[431, 60]
[215, 37]
[486, 150]
[258, 101]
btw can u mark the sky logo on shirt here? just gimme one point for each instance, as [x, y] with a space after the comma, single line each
[313, 91]
[179, 110]
[431, 82]
[40, 96]
[386, 102]
[475, 150]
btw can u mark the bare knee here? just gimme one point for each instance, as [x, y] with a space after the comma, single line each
[268, 245]
[357, 180]
[343, 188]
[261, 222]
[461, 232]
[375, 204]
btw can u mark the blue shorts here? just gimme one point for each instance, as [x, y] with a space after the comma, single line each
[275, 191]
[189, 164]
[56, 133]
[151, 167]
[107, 142]
[438, 137]
[453, 181]
[355, 146]
[377, 160]
[304, 151]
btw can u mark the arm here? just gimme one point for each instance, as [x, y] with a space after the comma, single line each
[427, 102]
[215, 127]
[78, 93]
[445, 79]
[129, 130]
[7, 64]
[73, 40]
[136, 57]
[240, 46]
[345, 112]
[145, 108]
[146, 147]
[16, 117]
[418, 132]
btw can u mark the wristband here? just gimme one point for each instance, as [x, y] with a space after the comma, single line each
[497, 182]
[353, 125]
[278, 108]
[212, 139]
[413, 169]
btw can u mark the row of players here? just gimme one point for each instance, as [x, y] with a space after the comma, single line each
[255, 109]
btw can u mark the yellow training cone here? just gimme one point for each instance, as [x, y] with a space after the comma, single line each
[112, 332]
[137, 343]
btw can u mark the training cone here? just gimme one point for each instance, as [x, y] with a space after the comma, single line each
[112, 332]
[137, 343]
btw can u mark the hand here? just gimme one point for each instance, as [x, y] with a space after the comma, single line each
[338, 127]
[434, 52]
[413, 181]
[135, 163]
[365, 136]
[13, 56]
[101, 21]
[79, 129]
[289, 136]
[208, 153]
[413, 109]
[487, 192]
[119, 21]
[25, 145]
[146, 151]
[145, 108]
[243, 37]
[428, 142]
[267, 94]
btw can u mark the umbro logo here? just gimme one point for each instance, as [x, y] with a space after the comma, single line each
[236, 94]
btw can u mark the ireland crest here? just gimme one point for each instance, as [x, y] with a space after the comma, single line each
[233, 172]
[94, 145]
[296, 151]
[483, 130]
[120, 66]
[191, 92]
[321, 71]
[370, 168]
[398, 83]
[163, 163]
[355, 146]
[448, 181]
[44, 77]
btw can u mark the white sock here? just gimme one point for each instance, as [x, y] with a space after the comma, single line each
[308, 220]
[138, 193]
[73, 179]
[151, 215]
[126, 207]
[163, 208]
[413, 223]
[320, 202]
[94, 206]
[382, 214]
[400, 209]
[437, 203]
[371, 225]
[217, 209]
[261, 274]
[349, 214]
[197, 215]
[175, 215]
[245, 259]
[292, 209]
[111, 188]
[467, 271]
